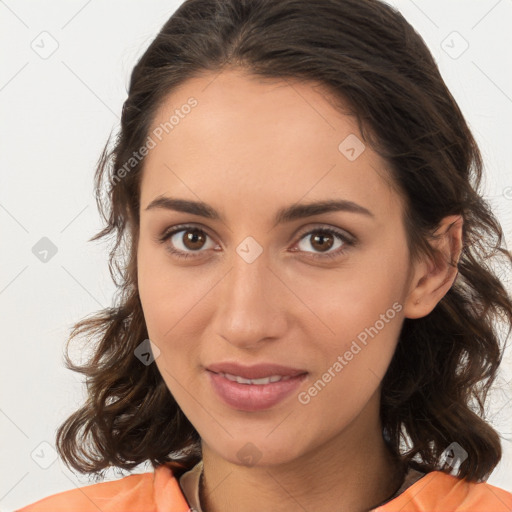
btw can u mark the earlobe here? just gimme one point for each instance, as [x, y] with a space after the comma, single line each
[434, 276]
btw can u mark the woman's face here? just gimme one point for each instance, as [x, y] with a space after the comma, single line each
[254, 287]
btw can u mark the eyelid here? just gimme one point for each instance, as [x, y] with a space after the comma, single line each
[326, 227]
[345, 236]
[180, 227]
[300, 232]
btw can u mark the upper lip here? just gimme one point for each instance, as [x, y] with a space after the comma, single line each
[257, 371]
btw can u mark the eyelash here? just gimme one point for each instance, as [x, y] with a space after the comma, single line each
[186, 255]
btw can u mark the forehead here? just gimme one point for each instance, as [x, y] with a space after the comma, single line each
[276, 114]
[244, 134]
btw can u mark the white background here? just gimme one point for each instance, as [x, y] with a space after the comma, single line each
[56, 114]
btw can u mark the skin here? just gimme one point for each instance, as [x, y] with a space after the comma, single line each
[250, 147]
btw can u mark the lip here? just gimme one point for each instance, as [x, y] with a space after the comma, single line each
[257, 371]
[253, 397]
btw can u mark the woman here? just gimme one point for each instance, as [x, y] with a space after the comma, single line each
[297, 194]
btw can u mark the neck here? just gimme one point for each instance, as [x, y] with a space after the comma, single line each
[354, 471]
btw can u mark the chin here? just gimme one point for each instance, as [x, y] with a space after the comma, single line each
[258, 450]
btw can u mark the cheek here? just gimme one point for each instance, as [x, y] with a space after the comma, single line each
[173, 302]
[166, 294]
[345, 302]
[353, 361]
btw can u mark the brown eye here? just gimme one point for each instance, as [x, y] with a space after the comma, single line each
[185, 241]
[193, 239]
[322, 240]
[188, 242]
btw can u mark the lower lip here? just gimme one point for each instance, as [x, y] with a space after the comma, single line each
[253, 397]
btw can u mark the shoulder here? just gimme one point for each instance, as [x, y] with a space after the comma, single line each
[145, 492]
[438, 491]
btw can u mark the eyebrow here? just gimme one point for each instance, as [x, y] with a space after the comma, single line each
[286, 214]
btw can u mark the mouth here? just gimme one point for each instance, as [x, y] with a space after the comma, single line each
[255, 394]
[255, 372]
[257, 382]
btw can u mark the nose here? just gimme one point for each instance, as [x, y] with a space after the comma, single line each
[251, 304]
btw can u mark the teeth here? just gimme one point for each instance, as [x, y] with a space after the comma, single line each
[265, 380]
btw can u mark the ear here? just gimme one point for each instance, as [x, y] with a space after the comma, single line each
[432, 277]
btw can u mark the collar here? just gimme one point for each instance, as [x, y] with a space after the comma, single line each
[189, 483]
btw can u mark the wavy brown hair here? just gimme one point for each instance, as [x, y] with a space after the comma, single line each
[368, 56]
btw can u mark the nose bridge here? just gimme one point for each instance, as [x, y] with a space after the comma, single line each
[247, 311]
[245, 290]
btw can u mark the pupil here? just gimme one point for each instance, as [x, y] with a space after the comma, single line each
[193, 237]
[321, 237]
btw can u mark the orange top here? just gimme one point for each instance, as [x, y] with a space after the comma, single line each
[160, 491]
